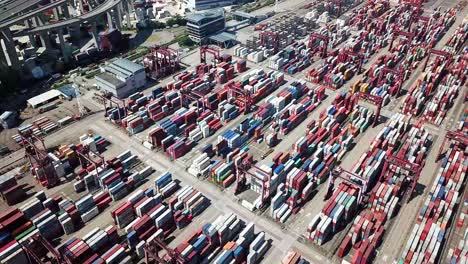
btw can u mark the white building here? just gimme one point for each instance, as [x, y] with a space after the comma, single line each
[121, 78]
[207, 4]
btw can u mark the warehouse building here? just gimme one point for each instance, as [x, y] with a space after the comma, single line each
[201, 25]
[207, 4]
[121, 78]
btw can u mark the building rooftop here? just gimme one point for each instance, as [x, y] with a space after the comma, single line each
[44, 98]
[199, 16]
[110, 79]
[123, 68]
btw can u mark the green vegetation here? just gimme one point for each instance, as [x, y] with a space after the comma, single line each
[176, 20]
[9, 80]
[185, 41]
[60, 83]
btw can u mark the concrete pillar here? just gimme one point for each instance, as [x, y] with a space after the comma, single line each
[39, 21]
[95, 35]
[80, 5]
[118, 16]
[9, 50]
[56, 13]
[45, 40]
[109, 20]
[127, 12]
[65, 54]
[65, 11]
[32, 40]
[34, 21]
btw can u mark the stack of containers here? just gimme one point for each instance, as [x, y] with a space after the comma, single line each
[87, 208]
[443, 99]
[437, 213]
[368, 228]
[90, 247]
[200, 165]
[458, 251]
[339, 209]
[420, 93]
[398, 138]
[165, 185]
[463, 122]
[241, 51]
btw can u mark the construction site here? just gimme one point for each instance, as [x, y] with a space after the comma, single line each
[333, 132]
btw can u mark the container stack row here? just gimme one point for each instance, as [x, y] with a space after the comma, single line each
[437, 214]
[386, 197]
[39, 127]
[397, 138]
[227, 239]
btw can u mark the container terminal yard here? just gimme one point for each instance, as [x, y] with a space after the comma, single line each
[332, 132]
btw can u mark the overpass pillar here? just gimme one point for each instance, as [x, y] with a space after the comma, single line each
[31, 37]
[127, 9]
[65, 11]
[95, 35]
[9, 49]
[118, 16]
[45, 40]
[55, 11]
[109, 20]
[63, 48]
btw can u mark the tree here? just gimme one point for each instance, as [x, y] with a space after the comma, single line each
[176, 20]
[9, 80]
[186, 41]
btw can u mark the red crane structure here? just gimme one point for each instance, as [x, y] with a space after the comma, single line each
[416, 12]
[413, 168]
[85, 159]
[352, 178]
[196, 96]
[408, 35]
[41, 164]
[242, 96]
[243, 170]
[347, 56]
[113, 101]
[211, 50]
[322, 48]
[161, 62]
[335, 3]
[152, 253]
[377, 100]
[398, 74]
[457, 136]
[43, 246]
[439, 53]
[270, 39]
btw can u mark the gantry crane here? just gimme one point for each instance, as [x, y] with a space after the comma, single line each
[188, 94]
[357, 181]
[57, 258]
[398, 75]
[161, 61]
[243, 170]
[152, 249]
[457, 136]
[409, 36]
[377, 100]
[85, 159]
[413, 168]
[211, 50]
[40, 162]
[322, 48]
[242, 96]
[448, 57]
[112, 101]
[346, 56]
[270, 39]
